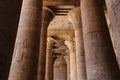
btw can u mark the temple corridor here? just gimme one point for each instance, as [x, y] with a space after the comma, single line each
[60, 40]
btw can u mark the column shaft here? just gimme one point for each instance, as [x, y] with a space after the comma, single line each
[73, 68]
[67, 59]
[99, 55]
[47, 16]
[25, 57]
[49, 60]
[68, 70]
[60, 68]
[113, 8]
[74, 17]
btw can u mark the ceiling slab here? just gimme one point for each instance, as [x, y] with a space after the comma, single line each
[61, 7]
[60, 2]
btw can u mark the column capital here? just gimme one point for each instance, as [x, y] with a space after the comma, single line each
[47, 16]
[50, 42]
[49, 39]
[69, 43]
[74, 16]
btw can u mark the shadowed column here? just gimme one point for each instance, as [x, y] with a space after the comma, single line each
[47, 16]
[113, 8]
[74, 16]
[26, 51]
[67, 59]
[73, 67]
[60, 68]
[99, 55]
[9, 18]
[49, 59]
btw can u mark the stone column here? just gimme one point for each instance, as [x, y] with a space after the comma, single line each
[73, 67]
[74, 16]
[60, 68]
[9, 18]
[99, 55]
[113, 8]
[26, 51]
[47, 16]
[49, 59]
[67, 59]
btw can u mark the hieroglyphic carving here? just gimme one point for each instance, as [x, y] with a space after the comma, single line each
[25, 48]
[116, 8]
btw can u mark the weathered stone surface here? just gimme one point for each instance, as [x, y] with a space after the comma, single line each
[9, 16]
[99, 55]
[61, 50]
[73, 66]
[62, 33]
[25, 57]
[60, 68]
[113, 7]
[67, 59]
[60, 22]
[47, 16]
[74, 16]
[49, 59]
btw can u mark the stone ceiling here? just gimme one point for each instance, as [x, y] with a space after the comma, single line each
[60, 22]
[60, 2]
[61, 7]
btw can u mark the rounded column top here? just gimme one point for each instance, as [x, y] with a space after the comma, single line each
[49, 10]
[47, 15]
[74, 16]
